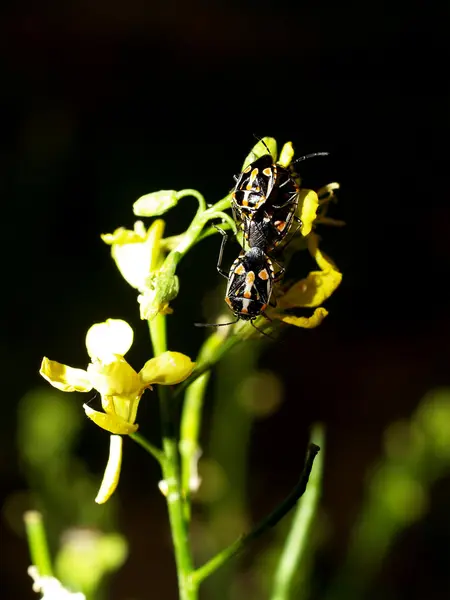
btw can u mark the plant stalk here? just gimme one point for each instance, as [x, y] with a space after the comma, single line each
[171, 474]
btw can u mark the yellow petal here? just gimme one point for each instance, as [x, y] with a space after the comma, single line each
[124, 407]
[154, 238]
[306, 322]
[312, 291]
[260, 149]
[65, 378]
[308, 203]
[103, 340]
[126, 236]
[114, 378]
[286, 155]
[318, 286]
[168, 368]
[326, 193]
[136, 253]
[112, 423]
[112, 471]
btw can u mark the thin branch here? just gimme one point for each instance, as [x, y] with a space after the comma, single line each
[37, 542]
[295, 547]
[267, 523]
[151, 449]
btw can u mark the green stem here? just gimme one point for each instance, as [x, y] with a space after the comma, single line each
[234, 394]
[150, 448]
[190, 237]
[222, 215]
[195, 194]
[171, 474]
[267, 523]
[294, 549]
[205, 366]
[192, 414]
[37, 542]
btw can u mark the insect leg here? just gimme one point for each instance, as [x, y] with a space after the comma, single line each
[222, 246]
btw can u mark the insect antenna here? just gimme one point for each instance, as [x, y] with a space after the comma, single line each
[309, 156]
[263, 143]
[262, 332]
[215, 324]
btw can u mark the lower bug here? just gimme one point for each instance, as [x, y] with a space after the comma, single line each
[250, 284]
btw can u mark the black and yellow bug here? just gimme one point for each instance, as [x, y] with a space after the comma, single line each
[272, 222]
[264, 202]
[250, 284]
[265, 199]
[250, 281]
[253, 186]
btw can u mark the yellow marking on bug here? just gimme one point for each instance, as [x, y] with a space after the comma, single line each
[228, 301]
[267, 172]
[248, 169]
[240, 270]
[250, 278]
[264, 275]
[249, 281]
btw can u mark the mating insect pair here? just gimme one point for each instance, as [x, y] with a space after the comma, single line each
[264, 203]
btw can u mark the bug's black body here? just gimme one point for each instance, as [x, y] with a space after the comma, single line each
[254, 185]
[264, 203]
[273, 220]
[250, 284]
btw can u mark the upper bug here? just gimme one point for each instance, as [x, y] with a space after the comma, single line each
[253, 186]
[271, 222]
[265, 199]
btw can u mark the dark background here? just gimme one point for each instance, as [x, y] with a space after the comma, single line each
[103, 102]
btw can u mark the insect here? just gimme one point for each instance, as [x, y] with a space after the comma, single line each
[254, 185]
[265, 199]
[250, 283]
[270, 224]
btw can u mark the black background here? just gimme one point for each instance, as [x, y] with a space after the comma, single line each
[103, 102]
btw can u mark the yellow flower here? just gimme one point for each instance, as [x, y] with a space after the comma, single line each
[312, 208]
[119, 385]
[286, 155]
[139, 257]
[310, 292]
[308, 203]
[136, 252]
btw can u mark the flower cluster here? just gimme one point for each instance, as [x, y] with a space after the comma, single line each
[148, 262]
[119, 385]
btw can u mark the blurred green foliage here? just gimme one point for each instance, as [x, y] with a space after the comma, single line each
[82, 536]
